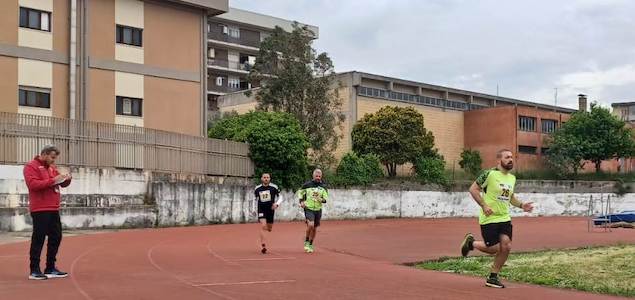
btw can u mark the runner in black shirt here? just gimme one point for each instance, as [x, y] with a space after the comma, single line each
[266, 195]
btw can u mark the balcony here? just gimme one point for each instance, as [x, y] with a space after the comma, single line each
[244, 41]
[223, 64]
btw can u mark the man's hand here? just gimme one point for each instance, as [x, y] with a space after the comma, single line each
[275, 206]
[59, 178]
[302, 204]
[528, 207]
[487, 210]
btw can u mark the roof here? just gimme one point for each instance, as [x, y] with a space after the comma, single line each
[262, 21]
[462, 92]
[617, 104]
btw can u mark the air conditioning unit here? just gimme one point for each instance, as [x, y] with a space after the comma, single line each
[211, 53]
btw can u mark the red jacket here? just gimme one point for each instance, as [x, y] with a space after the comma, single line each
[44, 194]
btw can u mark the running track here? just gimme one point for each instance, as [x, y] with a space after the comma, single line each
[353, 260]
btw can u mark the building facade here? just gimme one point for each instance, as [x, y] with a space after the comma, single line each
[233, 43]
[127, 62]
[459, 119]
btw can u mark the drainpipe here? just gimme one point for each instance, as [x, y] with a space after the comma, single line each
[72, 62]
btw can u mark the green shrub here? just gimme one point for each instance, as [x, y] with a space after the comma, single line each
[277, 144]
[431, 169]
[471, 161]
[357, 170]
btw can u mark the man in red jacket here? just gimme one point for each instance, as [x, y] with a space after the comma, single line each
[44, 182]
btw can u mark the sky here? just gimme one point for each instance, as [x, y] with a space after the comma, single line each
[529, 49]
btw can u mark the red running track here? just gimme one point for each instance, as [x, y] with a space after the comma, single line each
[353, 260]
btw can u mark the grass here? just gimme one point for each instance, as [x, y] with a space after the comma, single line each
[604, 270]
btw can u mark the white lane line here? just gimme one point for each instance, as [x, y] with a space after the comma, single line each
[244, 283]
[261, 259]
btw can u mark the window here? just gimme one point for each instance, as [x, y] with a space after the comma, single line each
[527, 123]
[34, 97]
[544, 151]
[233, 31]
[35, 19]
[548, 126]
[527, 149]
[219, 81]
[129, 35]
[233, 82]
[127, 106]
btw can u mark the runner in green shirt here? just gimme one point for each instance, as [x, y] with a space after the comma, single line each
[311, 196]
[497, 188]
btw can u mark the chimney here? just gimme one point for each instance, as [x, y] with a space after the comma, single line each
[582, 102]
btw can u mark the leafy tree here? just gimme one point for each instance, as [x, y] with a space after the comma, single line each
[471, 161]
[358, 170]
[396, 135]
[277, 144]
[594, 136]
[295, 79]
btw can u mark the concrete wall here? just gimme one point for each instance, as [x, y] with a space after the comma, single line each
[109, 198]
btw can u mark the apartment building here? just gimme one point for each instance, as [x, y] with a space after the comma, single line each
[459, 119]
[233, 43]
[128, 62]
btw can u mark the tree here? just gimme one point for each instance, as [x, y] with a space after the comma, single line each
[594, 136]
[277, 144]
[471, 161]
[397, 135]
[297, 80]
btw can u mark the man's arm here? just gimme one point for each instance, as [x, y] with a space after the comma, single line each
[475, 191]
[33, 182]
[527, 207]
[301, 194]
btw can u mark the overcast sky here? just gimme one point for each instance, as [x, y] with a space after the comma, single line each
[527, 48]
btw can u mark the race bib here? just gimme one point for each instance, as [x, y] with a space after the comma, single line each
[265, 196]
[506, 192]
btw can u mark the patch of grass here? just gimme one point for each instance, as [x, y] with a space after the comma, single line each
[605, 270]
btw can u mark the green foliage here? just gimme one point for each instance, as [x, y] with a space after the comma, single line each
[606, 270]
[431, 169]
[357, 170]
[277, 144]
[592, 136]
[471, 161]
[297, 80]
[396, 135]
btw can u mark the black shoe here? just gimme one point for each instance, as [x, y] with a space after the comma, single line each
[37, 275]
[467, 245]
[263, 250]
[494, 282]
[55, 273]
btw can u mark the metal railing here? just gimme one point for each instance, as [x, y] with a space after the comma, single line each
[219, 36]
[104, 145]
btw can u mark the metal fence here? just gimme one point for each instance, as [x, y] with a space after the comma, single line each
[104, 145]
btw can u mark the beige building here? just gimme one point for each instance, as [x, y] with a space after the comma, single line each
[444, 110]
[134, 62]
[233, 44]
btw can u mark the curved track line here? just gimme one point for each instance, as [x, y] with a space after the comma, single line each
[72, 275]
[181, 280]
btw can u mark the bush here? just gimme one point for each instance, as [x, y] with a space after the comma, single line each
[277, 144]
[471, 161]
[431, 169]
[357, 170]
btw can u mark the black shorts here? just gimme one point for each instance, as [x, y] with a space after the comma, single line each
[266, 212]
[313, 215]
[492, 232]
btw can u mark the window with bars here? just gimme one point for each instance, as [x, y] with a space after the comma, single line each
[35, 19]
[548, 126]
[527, 149]
[129, 35]
[34, 97]
[526, 123]
[128, 106]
